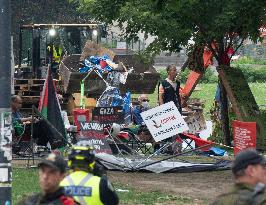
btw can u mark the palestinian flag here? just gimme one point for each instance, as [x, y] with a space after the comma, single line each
[50, 108]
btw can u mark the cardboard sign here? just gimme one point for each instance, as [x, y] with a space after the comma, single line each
[196, 122]
[164, 121]
[108, 115]
[244, 135]
[93, 133]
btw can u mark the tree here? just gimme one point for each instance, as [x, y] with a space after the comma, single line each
[217, 24]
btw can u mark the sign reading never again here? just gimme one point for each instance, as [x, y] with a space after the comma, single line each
[164, 121]
[93, 133]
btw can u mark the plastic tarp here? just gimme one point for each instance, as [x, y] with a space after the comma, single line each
[112, 162]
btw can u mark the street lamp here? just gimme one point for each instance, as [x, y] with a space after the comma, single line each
[95, 32]
[52, 32]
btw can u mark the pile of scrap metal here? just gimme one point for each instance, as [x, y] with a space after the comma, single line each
[142, 79]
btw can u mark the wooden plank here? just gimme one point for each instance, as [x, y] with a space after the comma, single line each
[243, 101]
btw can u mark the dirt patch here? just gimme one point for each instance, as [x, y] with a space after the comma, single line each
[201, 187]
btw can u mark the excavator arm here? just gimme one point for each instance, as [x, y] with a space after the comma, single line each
[195, 76]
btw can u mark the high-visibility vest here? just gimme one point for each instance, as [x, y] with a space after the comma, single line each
[83, 186]
[57, 54]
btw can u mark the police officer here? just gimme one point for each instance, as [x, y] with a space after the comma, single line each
[83, 184]
[249, 170]
[51, 171]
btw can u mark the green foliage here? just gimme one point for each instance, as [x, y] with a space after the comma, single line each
[263, 113]
[209, 76]
[253, 73]
[174, 23]
[249, 60]
[182, 77]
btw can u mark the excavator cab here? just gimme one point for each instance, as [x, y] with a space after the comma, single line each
[46, 44]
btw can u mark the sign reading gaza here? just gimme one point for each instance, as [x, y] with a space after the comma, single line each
[108, 115]
[164, 121]
[94, 134]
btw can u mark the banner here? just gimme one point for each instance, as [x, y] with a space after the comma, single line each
[164, 121]
[93, 133]
[5, 155]
[244, 135]
[108, 115]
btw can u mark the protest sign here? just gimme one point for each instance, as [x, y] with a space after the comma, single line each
[94, 134]
[108, 115]
[195, 122]
[164, 121]
[244, 135]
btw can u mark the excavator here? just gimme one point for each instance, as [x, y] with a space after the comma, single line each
[60, 47]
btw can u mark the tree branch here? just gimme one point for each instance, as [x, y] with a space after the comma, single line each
[242, 40]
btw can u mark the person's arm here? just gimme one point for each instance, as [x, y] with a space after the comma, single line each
[25, 119]
[108, 195]
[161, 92]
[17, 116]
[160, 98]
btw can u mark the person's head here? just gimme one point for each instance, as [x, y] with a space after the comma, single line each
[52, 171]
[144, 100]
[171, 71]
[82, 157]
[16, 102]
[249, 167]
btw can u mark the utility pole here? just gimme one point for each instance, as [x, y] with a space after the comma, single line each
[5, 111]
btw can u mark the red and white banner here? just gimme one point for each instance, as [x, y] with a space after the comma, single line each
[244, 135]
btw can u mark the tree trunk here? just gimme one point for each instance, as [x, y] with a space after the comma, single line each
[224, 115]
[224, 60]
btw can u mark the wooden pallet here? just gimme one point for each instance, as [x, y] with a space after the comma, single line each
[30, 99]
[32, 81]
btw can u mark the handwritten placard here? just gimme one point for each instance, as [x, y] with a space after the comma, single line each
[244, 135]
[94, 134]
[164, 121]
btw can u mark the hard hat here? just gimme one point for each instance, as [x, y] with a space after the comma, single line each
[82, 157]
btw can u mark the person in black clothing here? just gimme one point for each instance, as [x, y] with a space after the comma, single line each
[51, 171]
[169, 91]
[169, 88]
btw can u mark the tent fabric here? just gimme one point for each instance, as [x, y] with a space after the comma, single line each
[50, 108]
[198, 141]
[112, 162]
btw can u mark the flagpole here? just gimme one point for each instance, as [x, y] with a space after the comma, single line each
[5, 111]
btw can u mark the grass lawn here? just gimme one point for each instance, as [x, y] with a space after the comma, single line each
[25, 181]
[207, 93]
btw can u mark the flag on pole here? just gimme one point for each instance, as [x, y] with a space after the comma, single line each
[50, 108]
